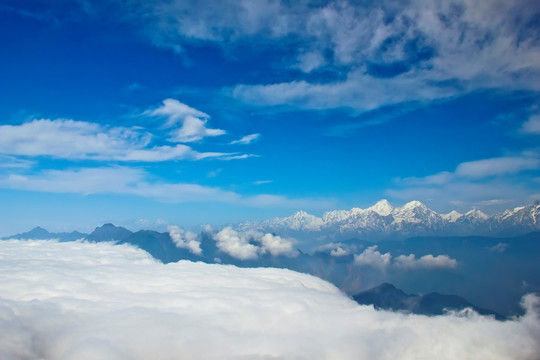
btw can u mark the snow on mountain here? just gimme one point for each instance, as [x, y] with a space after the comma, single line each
[452, 216]
[382, 208]
[523, 215]
[414, 218]
[301, 220]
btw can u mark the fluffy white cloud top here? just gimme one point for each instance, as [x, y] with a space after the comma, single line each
[374, 258]
[185, 239]
[77, 301]
[427, 261]
[248, 245]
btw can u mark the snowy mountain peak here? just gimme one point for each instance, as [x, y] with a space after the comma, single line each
[382, 207]
[452, 216]
[414, 218]
[301, 220]
[476, 214]
[414, 204]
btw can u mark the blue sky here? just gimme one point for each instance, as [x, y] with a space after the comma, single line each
[147, 113]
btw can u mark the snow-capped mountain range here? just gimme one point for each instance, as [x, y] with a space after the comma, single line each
[414, 218]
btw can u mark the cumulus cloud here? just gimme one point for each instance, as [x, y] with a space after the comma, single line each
[426, 261]
[372, 257]
[95, 301]
[248, 245]
[193, 122]
[335, 249]
[248, 139]
[185, 239]
[79, 140]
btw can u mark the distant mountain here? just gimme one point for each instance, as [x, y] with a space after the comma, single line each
[388, 297]
[382, 220]
[109, 232]
[39, 233]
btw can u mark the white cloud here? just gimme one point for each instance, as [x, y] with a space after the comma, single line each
[262, 182]
[248, 139]
[486, 183]
[103, 301]
[500, 247]
[497, 166]
[193, 122]
[185, 239]
[531, 126]
[338, 252]
[372, 257]
[426, 261]
[13, 162]
[426, 41]
[75, 140]
[114, 180]
[276, 245]
[336, 249]
[248, 245]
[138, 182]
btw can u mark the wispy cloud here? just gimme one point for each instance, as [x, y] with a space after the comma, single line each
[532, 125]
[105, 301]
[192, 121]
[262, 182]
[483, 183]
[136, 181]
[391, 52]
[76, 140]
[248, 139]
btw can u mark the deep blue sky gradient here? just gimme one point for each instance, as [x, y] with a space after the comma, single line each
[110, 63]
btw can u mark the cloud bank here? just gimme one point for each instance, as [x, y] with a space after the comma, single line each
[76, 301]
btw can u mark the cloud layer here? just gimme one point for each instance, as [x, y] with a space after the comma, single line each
[87, 301]
[377, 53]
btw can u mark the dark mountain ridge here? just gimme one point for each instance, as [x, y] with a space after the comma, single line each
[388, 297]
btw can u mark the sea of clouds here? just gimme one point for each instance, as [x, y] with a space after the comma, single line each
[79, 300]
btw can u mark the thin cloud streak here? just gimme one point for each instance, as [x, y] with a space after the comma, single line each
[135, 181]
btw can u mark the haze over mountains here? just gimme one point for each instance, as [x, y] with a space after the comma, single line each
[384, 221]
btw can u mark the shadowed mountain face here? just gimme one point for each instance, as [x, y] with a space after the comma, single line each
[388, 297]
